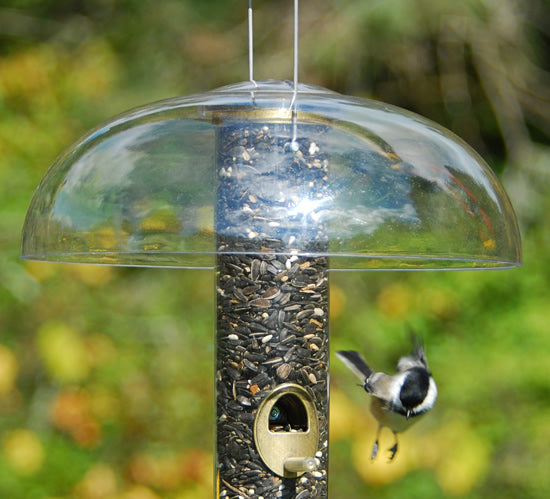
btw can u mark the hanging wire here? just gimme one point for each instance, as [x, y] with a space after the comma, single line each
[250, 44]
[296, 27]
[294, 144]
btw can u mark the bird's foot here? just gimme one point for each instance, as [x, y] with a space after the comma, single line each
[393, 452]
[374, 451]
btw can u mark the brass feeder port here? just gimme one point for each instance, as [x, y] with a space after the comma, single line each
[286, 431]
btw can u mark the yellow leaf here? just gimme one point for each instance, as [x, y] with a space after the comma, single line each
[91, 275]
[140, 492]
[8, 370]
[41, 270]
[337, 300]
[465, 460]
[99, 482]
[394, 300]
[64, 352]
[24, 74]
[380, 471]
[162, 220]
[24, 451]
[94, 69]
[345, 416]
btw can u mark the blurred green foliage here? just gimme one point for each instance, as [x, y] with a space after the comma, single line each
[106, 374]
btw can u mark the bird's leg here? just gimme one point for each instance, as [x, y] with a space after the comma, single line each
[393, 449]
[374, 451]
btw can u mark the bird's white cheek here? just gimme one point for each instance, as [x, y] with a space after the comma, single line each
[430, 399]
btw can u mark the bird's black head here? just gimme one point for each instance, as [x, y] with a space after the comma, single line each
[415, 387]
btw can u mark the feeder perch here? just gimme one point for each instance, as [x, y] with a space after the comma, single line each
[272, 184]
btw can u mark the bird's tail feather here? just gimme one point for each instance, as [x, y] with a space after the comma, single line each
[356, 363]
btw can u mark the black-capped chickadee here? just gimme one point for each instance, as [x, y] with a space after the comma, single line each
[397, 401]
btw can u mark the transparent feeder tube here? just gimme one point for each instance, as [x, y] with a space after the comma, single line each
[272, 303]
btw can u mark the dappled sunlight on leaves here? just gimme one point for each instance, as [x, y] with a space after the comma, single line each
[8, 370]
[346, 418]
[379, 471]
[461, 458]
[91, 275]
[71, 411]
[99, 482]
[139, 492]
[337, 301]
[41, 271]
[395, 300]
[63, 351]
[106, 373]
[169, 472]
[23, 451]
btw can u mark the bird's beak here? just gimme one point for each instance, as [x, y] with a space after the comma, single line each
[409, 414]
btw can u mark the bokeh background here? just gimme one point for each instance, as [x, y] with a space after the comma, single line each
[106, 374]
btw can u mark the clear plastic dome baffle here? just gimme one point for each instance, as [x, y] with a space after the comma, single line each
[398, 191]
[272, 185]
